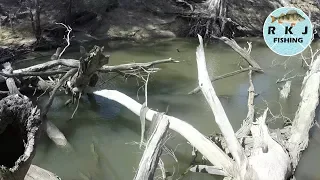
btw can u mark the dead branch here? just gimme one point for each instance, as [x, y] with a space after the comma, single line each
[23, 74]
[151, 155]
[207, 169]
[218, 111]
[133, 66]
[197, 89]
[52, 131]
[245, 54]
[37, 173]
[210, 150]
[246, 125]
[50, 64]
[305, 114]
[9, 80]
[67, 38]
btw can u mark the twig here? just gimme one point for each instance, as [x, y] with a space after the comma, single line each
[67, 38]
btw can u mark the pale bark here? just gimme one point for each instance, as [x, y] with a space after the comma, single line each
[152, 153]
[210, 150]
[73, 63]
[268, 159]
[207, 169]
[217, 109]
[305, 114]
[37, 173]
[246, 125]
[10, 81]
[245, 53]
[285, 91]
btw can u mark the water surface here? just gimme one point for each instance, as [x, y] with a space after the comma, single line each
[103, 134]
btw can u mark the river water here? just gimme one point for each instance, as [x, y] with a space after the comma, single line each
[104, 134]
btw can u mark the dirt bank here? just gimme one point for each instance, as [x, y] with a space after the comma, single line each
[136, 19]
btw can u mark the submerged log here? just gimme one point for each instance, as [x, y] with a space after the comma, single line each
[152, 153]
[20, 125]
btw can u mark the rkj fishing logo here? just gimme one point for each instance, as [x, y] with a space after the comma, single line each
[288, 31]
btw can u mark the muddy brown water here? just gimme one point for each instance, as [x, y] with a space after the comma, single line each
[103, 134]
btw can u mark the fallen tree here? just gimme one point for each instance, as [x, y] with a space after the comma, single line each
[271, 155]
[253, 152]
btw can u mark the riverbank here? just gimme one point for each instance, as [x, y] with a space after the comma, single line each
[139, 20]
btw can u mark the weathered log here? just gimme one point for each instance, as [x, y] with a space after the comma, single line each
[10, 81]
[305, 115]
[219, 113]
[132, 66]
[268, 159]
[90, 63]
[210, 150]
[37, 173]
[152, 153]
[207, 169]
[52, 131]
[244, 53]
[246, 125]
[50, 64]
[20, 125]
[73, 63]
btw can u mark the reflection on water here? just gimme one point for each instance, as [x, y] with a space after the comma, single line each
[102, 131]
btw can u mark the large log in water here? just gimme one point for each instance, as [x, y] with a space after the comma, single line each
[19, 131]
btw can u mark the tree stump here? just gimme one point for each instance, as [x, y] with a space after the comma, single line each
[19, 131]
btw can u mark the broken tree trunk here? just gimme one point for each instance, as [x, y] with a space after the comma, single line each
[246, 125]
[305, 115]
[218, 111]
[20, 125]
[149, 161]
[244, 53]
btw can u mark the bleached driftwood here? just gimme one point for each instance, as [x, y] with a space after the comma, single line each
[245, 53]
[210, 150]
[268, 158]
[152, 153]
[37, 173]
[305, 114]
[285, 91]
[218, 111]
[207, 169]
[9, 80]
[246, 125]
[73, 63]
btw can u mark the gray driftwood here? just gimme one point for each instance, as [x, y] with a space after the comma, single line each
[152, 153]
